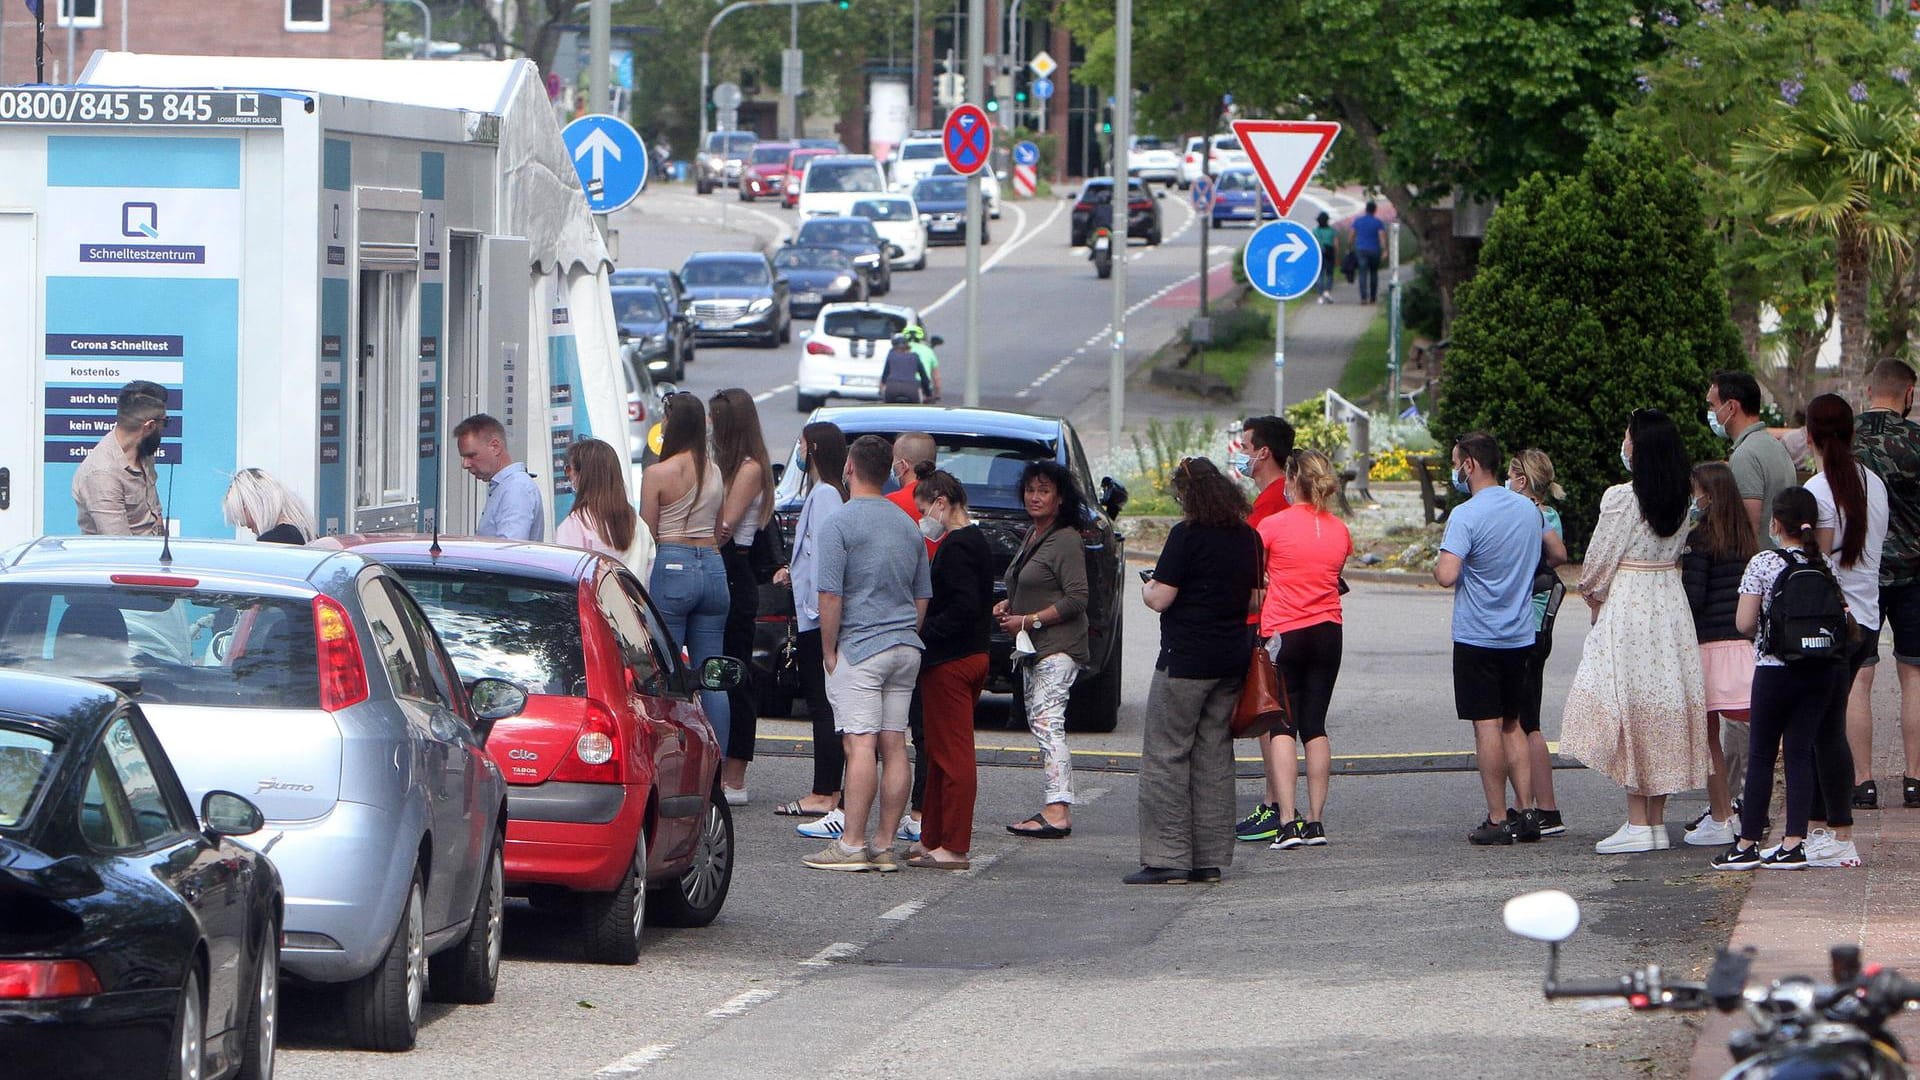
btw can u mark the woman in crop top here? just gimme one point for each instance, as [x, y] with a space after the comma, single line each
[680, 502]
[748, 476]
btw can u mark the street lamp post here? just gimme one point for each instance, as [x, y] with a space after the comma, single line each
[426, 26]
[706, 49]
[1122, 133]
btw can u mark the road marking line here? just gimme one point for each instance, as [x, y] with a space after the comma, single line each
[634, 1063]
[1021, 236]
[904, 912]
[785, 228]
[839, 950]
[763, 398]
[740, 1003]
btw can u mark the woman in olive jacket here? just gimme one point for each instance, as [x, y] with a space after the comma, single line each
[1047, 603]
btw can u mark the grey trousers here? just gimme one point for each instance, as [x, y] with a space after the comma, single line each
[1186, 773]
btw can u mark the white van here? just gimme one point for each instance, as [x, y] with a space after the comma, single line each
[831, 185]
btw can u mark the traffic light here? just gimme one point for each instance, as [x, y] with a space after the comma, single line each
[993, 105]
[842, 4]
[1020, 95]
[1106, 127]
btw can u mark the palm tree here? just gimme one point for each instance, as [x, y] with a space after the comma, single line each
[1841, 167]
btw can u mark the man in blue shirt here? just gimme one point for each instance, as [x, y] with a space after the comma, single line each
[1489, 554]
[1367, 231]
[513, 509]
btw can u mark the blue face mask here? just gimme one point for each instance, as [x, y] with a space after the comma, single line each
[1695, 512]
[1625, 461]
[1460, 482]
[1713, 421]
[1241, 463]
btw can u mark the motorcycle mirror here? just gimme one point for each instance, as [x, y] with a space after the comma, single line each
[1548, 915]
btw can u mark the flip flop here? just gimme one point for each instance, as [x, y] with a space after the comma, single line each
[927, 862]
[794, 809]
[1046, 831]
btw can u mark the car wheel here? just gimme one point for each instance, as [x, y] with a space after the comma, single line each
[613, 924]
[985, 236]
[696, 897]
[922, 264]
[807, 402]
[1095, 704]
[189, 1060]
[1153, 238]
[786, 332]
[468, 973]
[702, 187]
[383, 1006]
[678, 373]
[263, 1013]
[1103, 270]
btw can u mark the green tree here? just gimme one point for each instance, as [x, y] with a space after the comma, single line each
[1597, 294]
[1439, 100]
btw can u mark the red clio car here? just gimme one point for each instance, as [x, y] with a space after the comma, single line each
[614, 809]
[796, 168]
[763, 175]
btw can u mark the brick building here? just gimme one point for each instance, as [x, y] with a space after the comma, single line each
[312, 28]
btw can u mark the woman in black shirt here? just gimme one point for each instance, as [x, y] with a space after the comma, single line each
[953, 668]
[1203, 588]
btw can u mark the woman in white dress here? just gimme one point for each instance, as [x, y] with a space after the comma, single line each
[1633, 712]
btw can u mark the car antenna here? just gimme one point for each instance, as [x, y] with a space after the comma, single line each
[166, 530]
[434, 550]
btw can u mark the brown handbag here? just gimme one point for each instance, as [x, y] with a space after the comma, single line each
[1262, 708]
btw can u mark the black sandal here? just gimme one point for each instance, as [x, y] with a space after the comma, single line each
[1047, 830]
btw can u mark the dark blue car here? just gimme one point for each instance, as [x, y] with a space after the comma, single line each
[943, 209]
[655, 331]
[1239, 196]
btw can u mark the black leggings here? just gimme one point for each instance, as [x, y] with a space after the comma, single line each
[737, 642]
[1832, 757]
[829, 757]
[1789, 705]
[1309, 663]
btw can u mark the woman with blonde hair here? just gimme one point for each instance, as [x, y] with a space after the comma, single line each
[1530, 473]
[266, 508]
[1306, 546]
[602, 519]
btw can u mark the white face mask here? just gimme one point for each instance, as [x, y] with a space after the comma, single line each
[933, 527]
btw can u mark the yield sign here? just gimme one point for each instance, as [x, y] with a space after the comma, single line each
[1285, 153]
[968, 139]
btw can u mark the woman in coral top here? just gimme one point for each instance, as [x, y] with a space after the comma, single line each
[1306, 545]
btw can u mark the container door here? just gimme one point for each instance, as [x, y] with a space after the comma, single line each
[20, 370]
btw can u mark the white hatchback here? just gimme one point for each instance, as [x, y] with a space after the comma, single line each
[831, 185]
[897, 221]
[845, 351]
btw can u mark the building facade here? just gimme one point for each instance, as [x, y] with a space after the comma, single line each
[77, 29]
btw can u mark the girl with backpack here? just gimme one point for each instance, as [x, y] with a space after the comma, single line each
[1788, 600]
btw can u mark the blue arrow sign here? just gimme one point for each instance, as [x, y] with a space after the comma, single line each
[1025, 153]
[610, 158]
[1202, 193]
[1041, 88]
[1282, 260]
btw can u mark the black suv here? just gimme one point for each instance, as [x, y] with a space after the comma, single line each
[986, 450]
[1143, 209]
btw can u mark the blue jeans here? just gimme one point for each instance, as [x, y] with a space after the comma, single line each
[1367, 275]
[689, 587]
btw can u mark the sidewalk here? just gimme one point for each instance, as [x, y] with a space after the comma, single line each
[1792, 918]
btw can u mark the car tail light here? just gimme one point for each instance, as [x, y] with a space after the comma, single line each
[819, 348]
[636, 410]
[343, 676]
[596, 750]
[33, 980]
[1082, 207]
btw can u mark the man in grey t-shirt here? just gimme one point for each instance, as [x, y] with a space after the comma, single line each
[874, 586]
[1762, 467]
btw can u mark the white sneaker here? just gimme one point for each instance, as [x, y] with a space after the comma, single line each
[1628, 838]
[909, 829]
[735, 796]
[1826, 850]
[828, 827]
[1710, 833]
[1662, 840]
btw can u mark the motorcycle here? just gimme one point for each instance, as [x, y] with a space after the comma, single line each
[1100, 250]
[1801, 1029]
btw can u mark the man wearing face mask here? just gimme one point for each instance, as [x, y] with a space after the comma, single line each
[114, 490]
[913, 453]
[1762, 467]
[1889, 444]
[1490, 550]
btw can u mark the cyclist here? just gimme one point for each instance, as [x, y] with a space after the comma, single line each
[917, 341]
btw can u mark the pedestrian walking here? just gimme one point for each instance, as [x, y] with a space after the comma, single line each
[1488, 555]
[680, 502]
[1045, 612]
[903, 379]
[1368, 230]
[874, 586]
[1305, 547]
[1851, 531]
[1329, 240]
[1762, 467]
[602, 518]
[1260, 452]
[1633, 711]
[258, 502]
[1888, 443]
[513, 510]
[115, 489]
[823, 457]
[1790, 698]
[1203, 587]
[747, 471]
[953, 669]
[1530, 473]
[1715, 559]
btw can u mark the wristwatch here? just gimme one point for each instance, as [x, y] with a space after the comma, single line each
[1036, 622]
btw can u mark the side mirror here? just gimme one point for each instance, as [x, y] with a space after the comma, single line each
[1159, 194]
[895, 251]
[780, 279]
[722, 673]
[496, 699]
[1549, 915]
[1113, 496]
[222, 813]
[936, 341]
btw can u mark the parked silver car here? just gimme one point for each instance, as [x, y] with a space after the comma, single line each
[309, 681]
